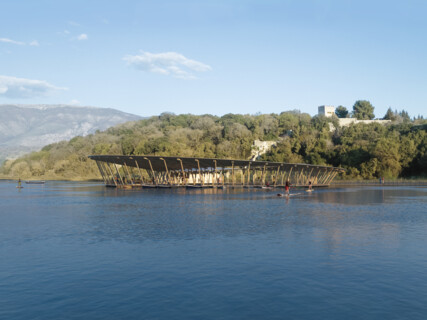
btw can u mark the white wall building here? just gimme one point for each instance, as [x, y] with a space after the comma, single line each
[327, 111]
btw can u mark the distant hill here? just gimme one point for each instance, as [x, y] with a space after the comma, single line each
[25, 128]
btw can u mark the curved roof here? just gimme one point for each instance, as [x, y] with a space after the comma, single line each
[174, 163]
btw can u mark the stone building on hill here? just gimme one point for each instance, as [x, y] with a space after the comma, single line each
[329, 111]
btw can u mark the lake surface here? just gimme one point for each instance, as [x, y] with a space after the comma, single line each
[82, 251]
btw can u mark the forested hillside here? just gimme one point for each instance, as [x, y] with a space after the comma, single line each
[366, 151]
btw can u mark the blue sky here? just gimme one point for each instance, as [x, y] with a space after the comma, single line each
[148, 57]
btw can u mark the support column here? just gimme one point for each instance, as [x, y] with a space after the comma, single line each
[167, 171]
[249, 173]
[317, 175]
[130, 176]
[100, 171]
[139, 170]
[112, 174]
[152, 171]
[215, 178]
[200, 172]
[119, 175]
[263, 175]
[232, 173]
[289, 175]
[275, 178]
[184, 180]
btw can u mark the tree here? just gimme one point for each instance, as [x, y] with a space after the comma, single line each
[363, 110]
[341, 112]
[390, 115]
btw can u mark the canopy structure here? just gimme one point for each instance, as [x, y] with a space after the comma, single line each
[158, 171]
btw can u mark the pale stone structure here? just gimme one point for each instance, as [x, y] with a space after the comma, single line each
[260, 147]
[329, 111]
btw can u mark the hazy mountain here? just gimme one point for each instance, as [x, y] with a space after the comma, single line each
[25, 128]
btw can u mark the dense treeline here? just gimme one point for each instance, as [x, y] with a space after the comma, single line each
[366, 151]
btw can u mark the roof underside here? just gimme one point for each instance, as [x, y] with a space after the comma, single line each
[160, 163]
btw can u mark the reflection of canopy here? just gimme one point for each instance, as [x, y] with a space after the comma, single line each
[160, 164]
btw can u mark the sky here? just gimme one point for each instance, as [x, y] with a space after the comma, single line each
[216, 57]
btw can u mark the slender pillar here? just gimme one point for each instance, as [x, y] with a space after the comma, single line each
[289, 175]
[249, 173]
[112, 174]
[152, 171]
[215, 177]
[100, 171]
[119, 175]
[184, 181]
[263, 175]
[130, 176]
[317, 175]
[232, 173]
[276, 177]
[139, 170]
[200, 172]
[168, 177]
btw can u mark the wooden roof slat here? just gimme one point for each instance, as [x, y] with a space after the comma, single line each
[190, 163]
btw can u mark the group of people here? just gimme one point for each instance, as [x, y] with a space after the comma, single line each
[288, 188]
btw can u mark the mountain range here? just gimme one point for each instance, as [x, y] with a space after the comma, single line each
[26, 128]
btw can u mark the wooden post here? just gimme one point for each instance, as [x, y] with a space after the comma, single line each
[119, 175]
[263, 175]
[130, 176]
[317, 175]
[223, 177]
[112, 174]
[139, 170]
[232, 173]
[107, 175]
[309, 175]
[275, 178]
[167, 171]
[184, 180]
[249, 173]
[215, 178]
[200, 172]
[152, 171]
[100, 171]
[289, 175]
[283, 176]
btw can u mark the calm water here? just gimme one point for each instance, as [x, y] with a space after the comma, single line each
[81, 251]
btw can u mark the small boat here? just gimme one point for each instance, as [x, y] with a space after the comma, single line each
[309, 190]
[35, 182]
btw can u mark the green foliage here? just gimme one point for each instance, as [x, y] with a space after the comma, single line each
[363, 110]
[366, 151]
[341, 112]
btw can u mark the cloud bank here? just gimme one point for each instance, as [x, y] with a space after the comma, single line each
[15, 88]
[167, 63]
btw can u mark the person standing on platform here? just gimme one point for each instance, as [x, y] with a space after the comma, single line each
[287, 187]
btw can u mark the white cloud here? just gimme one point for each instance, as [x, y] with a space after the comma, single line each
[167, 63]
[74, 102]
[15, 88]
[6, 40]
[34, 43]
[83, 36]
